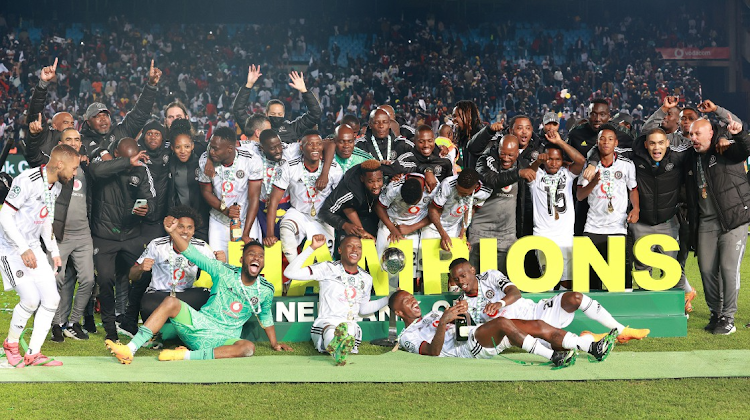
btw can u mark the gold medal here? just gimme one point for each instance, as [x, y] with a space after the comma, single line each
[703, 193]
[312, 211]
[610, 207]
[557, 215]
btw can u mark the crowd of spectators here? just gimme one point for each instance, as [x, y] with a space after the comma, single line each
[421, 67]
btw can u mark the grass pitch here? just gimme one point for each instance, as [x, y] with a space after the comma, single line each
[667, 398]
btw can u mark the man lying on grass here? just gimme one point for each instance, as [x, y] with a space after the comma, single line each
[492, 295]
[213, 332]
[434, 335]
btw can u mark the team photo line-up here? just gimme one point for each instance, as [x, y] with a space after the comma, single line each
[125, 216]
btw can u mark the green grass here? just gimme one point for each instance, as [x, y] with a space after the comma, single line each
[629, 399]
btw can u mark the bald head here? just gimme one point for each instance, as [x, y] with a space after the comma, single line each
[62, 120]
[389, 110]
[701, 134]
[343, 131]
[126, 147]
[508, 153]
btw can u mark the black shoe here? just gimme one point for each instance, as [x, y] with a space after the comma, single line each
[725, 326]
[564, 358]
[712, 322]
[127, 329]
[89, 324]
[601, 349]
[76, 332]
[57, 334]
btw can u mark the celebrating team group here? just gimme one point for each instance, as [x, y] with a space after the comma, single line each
[128, 214]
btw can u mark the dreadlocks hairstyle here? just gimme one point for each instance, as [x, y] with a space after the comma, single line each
[469, 112]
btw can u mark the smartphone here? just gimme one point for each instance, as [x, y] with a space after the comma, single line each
[138, 203]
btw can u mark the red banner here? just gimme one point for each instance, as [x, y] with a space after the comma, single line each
[717, 53]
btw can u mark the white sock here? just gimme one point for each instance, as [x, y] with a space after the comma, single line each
[187, 356]
[572, 341]
[42, 324]
[596, 311]
[21, 315]
[132, 348]
[532, 345]
[328, 336]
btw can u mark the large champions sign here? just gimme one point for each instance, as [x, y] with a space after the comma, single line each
[610, 268]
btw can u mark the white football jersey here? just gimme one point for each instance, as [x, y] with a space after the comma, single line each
[170, 266]
[454, 206]
[398, 211]
[27, 197]
[341, 292]
[299, 182]
[230, 183]
[554, 206]
[615, 181]
[491, 288]
[423, 331]
[270, 168]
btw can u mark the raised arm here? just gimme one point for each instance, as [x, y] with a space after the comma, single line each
[295, 270]
[239, 106]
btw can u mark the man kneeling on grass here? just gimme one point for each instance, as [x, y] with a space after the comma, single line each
[213, 332]
[434, 335]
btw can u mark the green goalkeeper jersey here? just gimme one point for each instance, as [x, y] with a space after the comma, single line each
[358, 156]
[232, 303]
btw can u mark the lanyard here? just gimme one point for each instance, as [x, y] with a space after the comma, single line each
[377, 148]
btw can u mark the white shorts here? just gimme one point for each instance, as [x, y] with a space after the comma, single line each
[320, 325]
[15, 272]
[431, 232]
[306, 227]
[552, 312]
[471, 349]
[218, 234]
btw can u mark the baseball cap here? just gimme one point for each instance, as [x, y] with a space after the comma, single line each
[550, 117]
[94, 109]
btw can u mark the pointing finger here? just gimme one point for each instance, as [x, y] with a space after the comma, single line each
[54, 65]
[152, 64]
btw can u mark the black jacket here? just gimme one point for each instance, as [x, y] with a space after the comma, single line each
[196, 199]
[399, 146]
[117, 185]
[659, 186]
[583, 137]
[727, 184]
[159, 168]
[351, 193]
[474, 148]
[36, 148]
[129, 127]
[414, 161]
[290, 131]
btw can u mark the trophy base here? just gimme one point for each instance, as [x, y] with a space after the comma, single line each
[384, 342]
